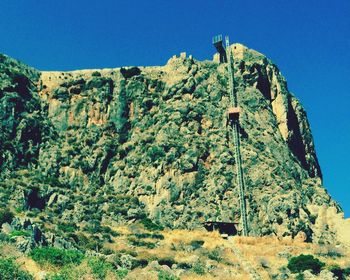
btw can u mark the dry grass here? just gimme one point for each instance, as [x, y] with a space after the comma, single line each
[266, 254]
[31, 266]
[193, 276]
[211, 239]
[9, 251]
[286, 241]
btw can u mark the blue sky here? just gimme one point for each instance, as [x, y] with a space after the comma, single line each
[308, 40]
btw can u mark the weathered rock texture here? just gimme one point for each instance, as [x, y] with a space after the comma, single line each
[124, 144]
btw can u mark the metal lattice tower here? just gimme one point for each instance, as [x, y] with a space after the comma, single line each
[233, 114]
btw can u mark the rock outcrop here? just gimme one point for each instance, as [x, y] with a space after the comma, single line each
[124, 144]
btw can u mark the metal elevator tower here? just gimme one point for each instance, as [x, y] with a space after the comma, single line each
[233, 116]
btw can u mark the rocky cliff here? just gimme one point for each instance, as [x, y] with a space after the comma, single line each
[125, 145]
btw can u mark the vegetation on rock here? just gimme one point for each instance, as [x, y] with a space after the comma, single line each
[102, 163]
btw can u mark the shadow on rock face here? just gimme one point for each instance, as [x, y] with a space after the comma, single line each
[33, 200]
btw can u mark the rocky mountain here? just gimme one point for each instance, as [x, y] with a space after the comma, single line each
[82, 149]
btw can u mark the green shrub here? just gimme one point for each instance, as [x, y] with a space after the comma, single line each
[4, 237]
[330, 251]
[313, 218]
[100, 267]
[184, 265]
[94, 243]
[6, 216]
[121, 273]
[34, 212]
[60, 93]
[55, 256]
[334, 253]
[68, 272]
[96, 74]
[61, 276]
[94, 226]
[196, 244]
[15, 233]
[139, 263]
[140, 243]
[110, 231]
[149, 235]
[122, 260]
[198, 268]
[169, 261]
[155, 153]
[83, 242]
[129, 252]
[305, 262]
[215, 254]
[148, 224]
[157, 236]
[9, 270]
[165, 275]
[118, 210]
[67, 227]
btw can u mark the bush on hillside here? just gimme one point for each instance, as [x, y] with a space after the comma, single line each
[100, 267]
[9, 270]
[166, 275]
[198, 268]
[148, 224]
[196, 244]
[216, 254]
[55, 256]
[140, 243]
[168, 261]
[149, 235]
[305, 262]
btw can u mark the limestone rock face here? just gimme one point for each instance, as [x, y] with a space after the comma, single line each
[124, 144]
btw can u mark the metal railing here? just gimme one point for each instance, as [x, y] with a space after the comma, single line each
[217, 38]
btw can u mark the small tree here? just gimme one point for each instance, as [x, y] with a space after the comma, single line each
[305, 262]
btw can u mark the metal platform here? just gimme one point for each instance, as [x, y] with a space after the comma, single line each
[218, 44]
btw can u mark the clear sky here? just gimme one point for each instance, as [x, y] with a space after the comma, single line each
[309, 40]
